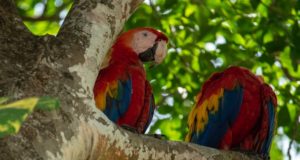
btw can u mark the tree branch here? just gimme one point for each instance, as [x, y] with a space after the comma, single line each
[66, 67]
[10, 21]
[94, 139]
[8, 6]
[14, 57]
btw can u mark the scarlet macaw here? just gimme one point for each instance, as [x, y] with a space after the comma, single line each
[235, 110]
[121, 90]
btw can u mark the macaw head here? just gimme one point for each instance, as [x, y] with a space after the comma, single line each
[149, 44]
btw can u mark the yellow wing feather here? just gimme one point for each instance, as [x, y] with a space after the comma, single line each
[199, 114]
[110, 90]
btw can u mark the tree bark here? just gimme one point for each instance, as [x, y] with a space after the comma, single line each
[66, 66]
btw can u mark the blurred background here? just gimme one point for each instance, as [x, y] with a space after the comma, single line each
[207, 36]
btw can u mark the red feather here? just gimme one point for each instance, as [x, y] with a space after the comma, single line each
[125, 65]
[250, 129]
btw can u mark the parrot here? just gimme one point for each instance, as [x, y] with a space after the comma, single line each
[235, 110]
[121, 90]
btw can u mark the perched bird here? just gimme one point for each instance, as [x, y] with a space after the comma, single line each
[235, 110]
[121, 90]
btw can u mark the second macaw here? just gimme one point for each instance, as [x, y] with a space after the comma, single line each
[234, 110]
[121, 90]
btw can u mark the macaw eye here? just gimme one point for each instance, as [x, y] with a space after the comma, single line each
[145, 34]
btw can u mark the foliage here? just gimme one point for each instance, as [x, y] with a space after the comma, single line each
[207, 36]
[13, 114]
[43, 16]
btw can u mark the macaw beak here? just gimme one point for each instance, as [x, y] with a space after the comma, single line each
[149, 54]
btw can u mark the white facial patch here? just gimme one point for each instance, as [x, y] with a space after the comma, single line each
[161, 51]
[142, 41]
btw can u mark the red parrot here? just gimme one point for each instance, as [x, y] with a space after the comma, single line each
[234, 110]
[121, 90]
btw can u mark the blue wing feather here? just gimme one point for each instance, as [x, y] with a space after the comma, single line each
[125, 95]
[219, 122]
[271, 118]
[117, 106]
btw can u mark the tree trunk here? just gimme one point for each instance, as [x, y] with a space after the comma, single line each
[66, 66]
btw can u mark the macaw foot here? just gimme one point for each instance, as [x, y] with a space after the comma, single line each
[158, 136]
[129, 128]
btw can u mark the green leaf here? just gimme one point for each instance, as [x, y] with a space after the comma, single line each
[276, 152]
[295, 49]
[292, 108]
[3, 99]
[190, 9]
[13, 114]
[254, 3]
[239, 39]
[284, 118]
[286, 59]
[47, 103]
[11, 120]
[268, 37]
[262, 10]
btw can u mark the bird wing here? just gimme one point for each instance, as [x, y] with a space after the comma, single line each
[113, 92]
[148, 109]
[267, 128]
[235, 109]
[216, 108]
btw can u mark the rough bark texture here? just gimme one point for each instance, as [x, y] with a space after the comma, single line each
[66, 66]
